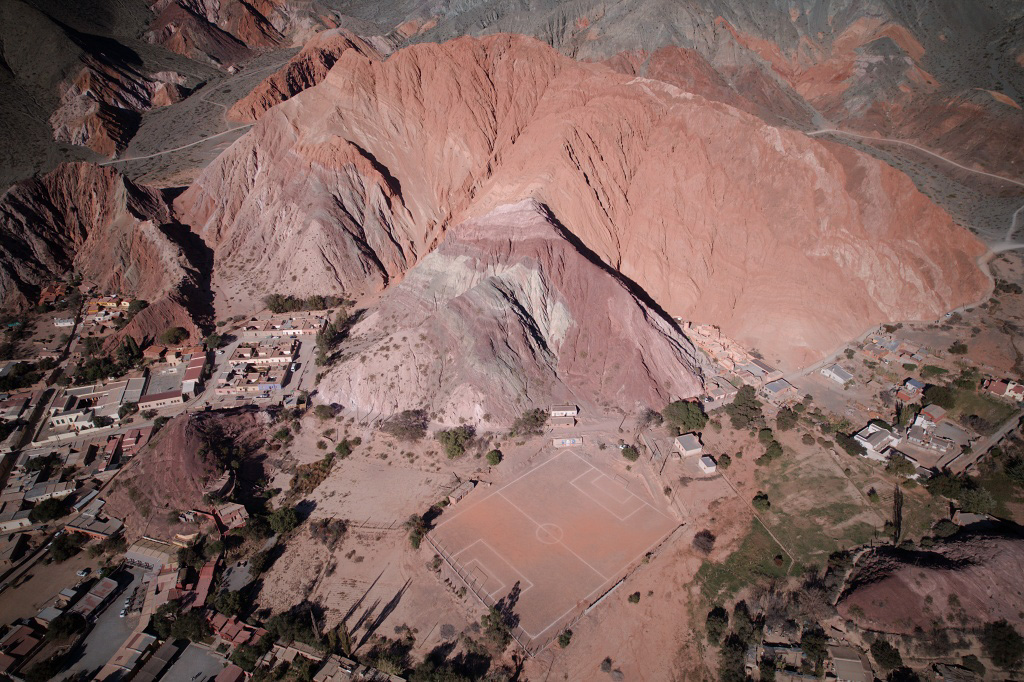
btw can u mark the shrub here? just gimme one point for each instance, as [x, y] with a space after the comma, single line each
[945, 529]
[886, 655]
[65, 626]
[724, 461]
[630, 453]
[899, 465]
[565, 638]
[771, 453]
[323, 412]
[410, 425]
[214, 341]
[455, 440]
[704, 541]
[765, 436]
[494, 457]
[807, 439]
[761, 502]
[851, 446]
[929, 371]
[634, 598]
[48, 510]
[958, 348]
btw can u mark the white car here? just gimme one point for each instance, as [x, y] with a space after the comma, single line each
[124, 612]
[84, 572]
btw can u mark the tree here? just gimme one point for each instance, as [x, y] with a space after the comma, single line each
[886, 655]
[958, 348]
[1003, 644]
[127, 409]
[284, 520]
[417, 527]
[771, 453]
[565, 638]
[230, 603]
[724, 461]
[683, 416]
[745, 409]
[732, 659]
[786, 419]
[496, 628]
[977, 501]
[761, 502]
[813, 641]
[48, 510]
[455, 440]
[323, 412]
[129, 353]
[173, 336]
[494, 457]
[214, 341]
[716, 623]
[704, 541]
[899, 465]
[190, 625]
[530, 423]
[942, 396]
[66, 546]
[630, 452]
[65, 626]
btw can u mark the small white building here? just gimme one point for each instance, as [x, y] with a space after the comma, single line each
[567, 442]
[707, 464]
[836, 374]
[688, 445]
[564, 411]
[64, 322]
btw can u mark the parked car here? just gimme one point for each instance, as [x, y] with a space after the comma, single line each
[84, 572]
[124, 612]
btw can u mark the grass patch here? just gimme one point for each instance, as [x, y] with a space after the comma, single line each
[752, 561]
[990, 409]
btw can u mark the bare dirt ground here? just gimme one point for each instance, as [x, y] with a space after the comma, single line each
[42, 583]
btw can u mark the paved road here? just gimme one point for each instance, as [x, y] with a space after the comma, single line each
[110, 630]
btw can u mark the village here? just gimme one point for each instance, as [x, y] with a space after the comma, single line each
[156, 607]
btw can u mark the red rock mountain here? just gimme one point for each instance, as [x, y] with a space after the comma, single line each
[793, 245]
[977, 576]
[305, 70]
[92, 220]
[505, 314]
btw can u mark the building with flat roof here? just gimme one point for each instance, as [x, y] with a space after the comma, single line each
[151, 554]
[283, 326]
[158, 400]
[564, 410]
[836, 374]
[707, 464]
[260, 354]
[687, 445]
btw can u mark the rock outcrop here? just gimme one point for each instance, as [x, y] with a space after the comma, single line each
[791, 244]
[305, 70]
[964, 578]
[507, 314]
[101, 107]
[184, 461]
[92, 220]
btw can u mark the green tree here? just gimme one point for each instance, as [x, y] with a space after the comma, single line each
[173, 336]
[761, 501]
[323, 412]
[48, 510]
[1003, 644]
[417, 527]
[530, 423]
[900, 466]
[958, 348]
[190, 625]
[66, 546]
[786, 419]
[745, 409]
[942, 396]
[127, 409]
[455, 440]
[716, 623]
[494, 458]
[284, 520]
[683, 416]
[410, 425]
[886, 655]
[214, 341]
[565, 638]
[813, 641]
[65, 626]
[630, 452]
[230, 602]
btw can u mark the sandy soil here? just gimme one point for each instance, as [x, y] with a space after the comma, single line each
[43, 583]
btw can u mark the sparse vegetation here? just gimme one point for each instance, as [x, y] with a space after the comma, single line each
[683, 416]
[630, 452]
[409, 425]
[455, 440]
[530, 423]
[173, 336]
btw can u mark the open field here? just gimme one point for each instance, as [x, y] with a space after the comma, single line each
[555, 539]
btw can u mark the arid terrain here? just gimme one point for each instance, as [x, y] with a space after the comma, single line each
[632, 340]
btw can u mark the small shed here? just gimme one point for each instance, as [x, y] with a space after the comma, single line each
[688, 445]
[461, 491]
[567, 442]
[707, 464]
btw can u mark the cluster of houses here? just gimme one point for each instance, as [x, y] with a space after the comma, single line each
[258, 367]
[930, 438]
[1005, 388]
[737, 367]
[282, 326]
[883, 347]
